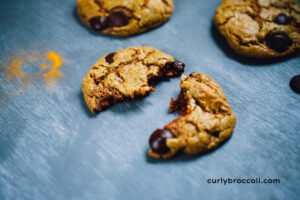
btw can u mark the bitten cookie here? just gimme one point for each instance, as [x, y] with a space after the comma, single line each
[206, 119]
[260, 28]
[127, 74]
[124, 17]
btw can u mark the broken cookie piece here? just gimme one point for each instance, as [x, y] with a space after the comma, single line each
[206, 119]
[127, 74]
[260, 28]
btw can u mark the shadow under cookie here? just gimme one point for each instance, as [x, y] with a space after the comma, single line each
[84, 106]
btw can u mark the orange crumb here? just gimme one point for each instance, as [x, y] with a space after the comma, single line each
[54, 74]
[14, 68]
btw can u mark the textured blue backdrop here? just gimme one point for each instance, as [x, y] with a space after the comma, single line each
[52, 147]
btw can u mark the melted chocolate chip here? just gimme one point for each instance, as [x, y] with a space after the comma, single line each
[215, 133]
[278, 42]
[282, 19]
[153, 81]
[98, 23]
[177, 67]
[118, 19]
[110, 58]
[295, 84]
[158, 141]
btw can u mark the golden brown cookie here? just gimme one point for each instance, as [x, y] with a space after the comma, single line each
[260, 28]
[124, 17]
[127, 74]
[206, 119]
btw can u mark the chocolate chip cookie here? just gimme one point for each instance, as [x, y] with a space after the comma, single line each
[124, 17]
[127, 74]
[206, 119]
[260, 28]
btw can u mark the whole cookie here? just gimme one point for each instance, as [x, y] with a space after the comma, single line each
[260, 28]
[127, 74]
[206, 119]
[124, 17]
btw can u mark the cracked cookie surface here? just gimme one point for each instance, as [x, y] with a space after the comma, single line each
[127, 74]
[124, 17]
[260, 28]
[206, 119]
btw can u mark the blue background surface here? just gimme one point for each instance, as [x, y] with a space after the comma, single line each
[52, 147]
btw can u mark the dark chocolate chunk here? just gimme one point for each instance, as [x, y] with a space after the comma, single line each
[110, 58]
[278, 42]
[158, 141]
[295, 84]
[282, 19]
[98, 23]
[215, 133]
[118, 19]
[177, 67]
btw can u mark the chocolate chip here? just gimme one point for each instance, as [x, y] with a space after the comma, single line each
[177, 67]
[110, 58]
[98, 23]
[118, 19]
[215, 133]
[282, 19]
[278, 42]
[158, 141]
[295, 84]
